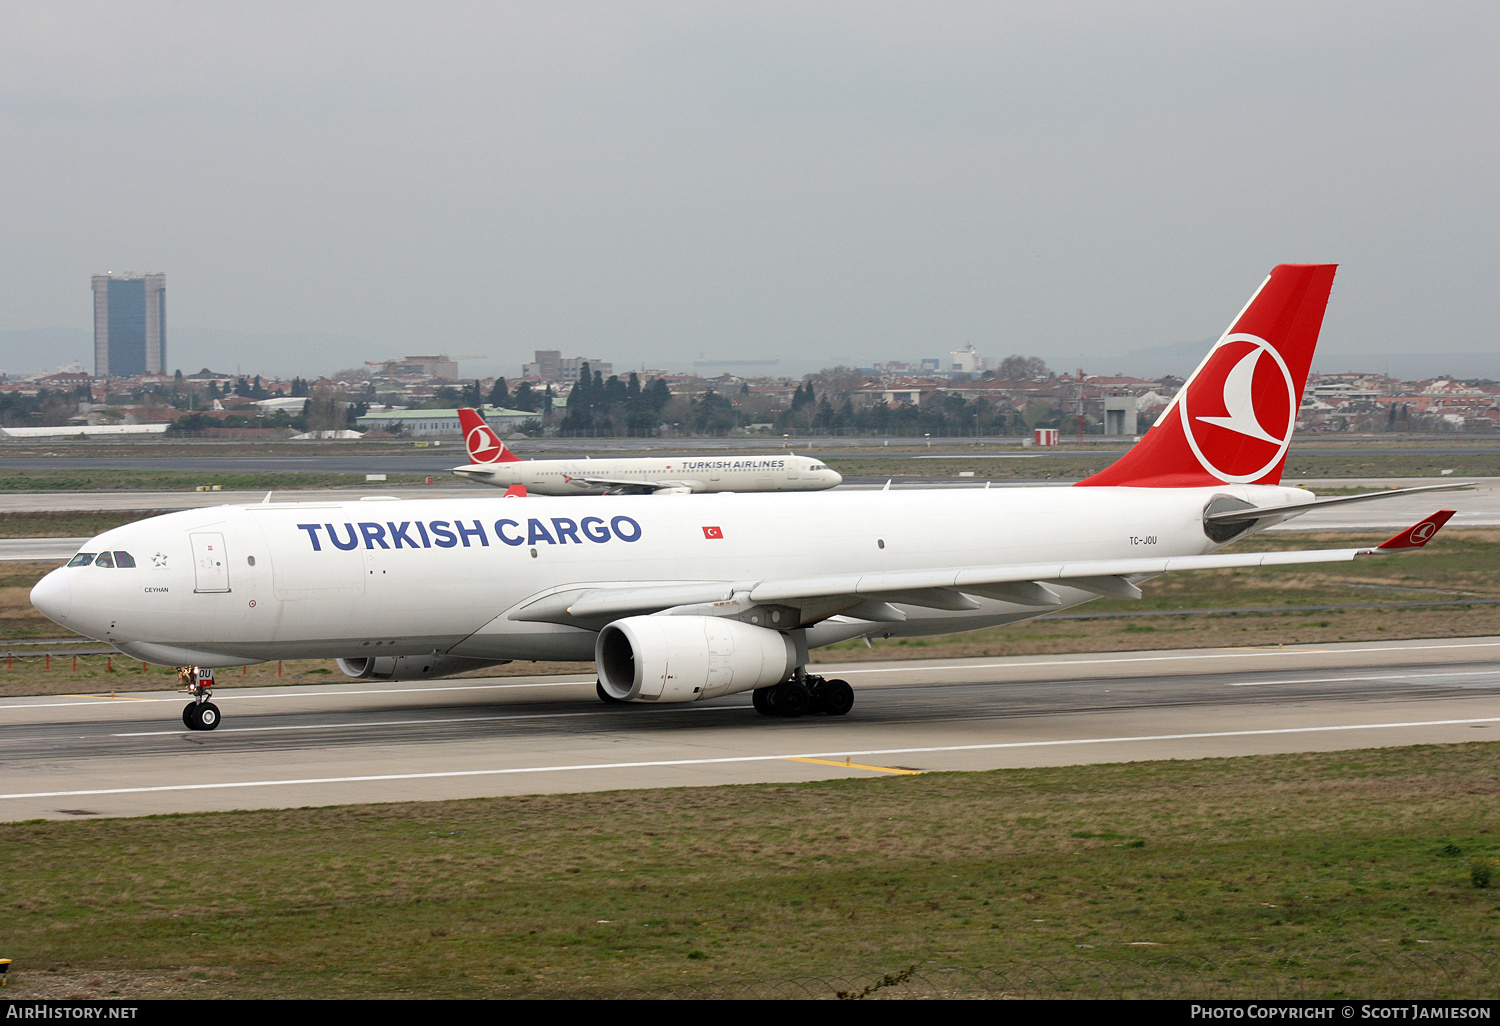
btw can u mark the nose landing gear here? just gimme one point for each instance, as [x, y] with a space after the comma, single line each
[804, 693]
[200, 713]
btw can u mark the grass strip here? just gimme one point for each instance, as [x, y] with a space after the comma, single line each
[68, 524]
[1327, 874]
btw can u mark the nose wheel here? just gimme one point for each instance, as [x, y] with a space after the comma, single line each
[200, 713]
[200, 716]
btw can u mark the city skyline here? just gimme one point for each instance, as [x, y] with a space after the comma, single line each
[816, 184]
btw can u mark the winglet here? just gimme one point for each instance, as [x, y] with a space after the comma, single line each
[480, 440]
[1417, 535]
[515, 492]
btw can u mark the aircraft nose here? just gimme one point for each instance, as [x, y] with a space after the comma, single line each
[838, 478]
[53, 596]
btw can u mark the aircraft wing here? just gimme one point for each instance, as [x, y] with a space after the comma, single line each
[1025, 584]
[634, 487]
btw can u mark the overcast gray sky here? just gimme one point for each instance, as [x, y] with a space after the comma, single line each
[802, 181]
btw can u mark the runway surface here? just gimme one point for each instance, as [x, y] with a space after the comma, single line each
[362, 741]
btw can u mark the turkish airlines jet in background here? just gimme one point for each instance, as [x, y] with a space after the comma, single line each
[678, 599]
[492, 463]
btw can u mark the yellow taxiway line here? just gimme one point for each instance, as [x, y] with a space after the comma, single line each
[855, 765]
[112, 698]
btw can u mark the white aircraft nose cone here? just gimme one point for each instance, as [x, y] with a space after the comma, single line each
[53, 596]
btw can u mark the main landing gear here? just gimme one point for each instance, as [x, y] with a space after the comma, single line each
[200, 713]
[804, 693]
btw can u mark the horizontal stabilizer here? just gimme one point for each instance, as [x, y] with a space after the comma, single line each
[1236, 516]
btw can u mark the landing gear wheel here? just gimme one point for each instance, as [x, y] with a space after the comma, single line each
[605, 696]
[837, 697]
[763, 701]
[200, 714]
[792, 698]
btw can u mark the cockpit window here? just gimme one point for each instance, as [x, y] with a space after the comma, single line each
[124, 559]
[82, 559]
[104, 559]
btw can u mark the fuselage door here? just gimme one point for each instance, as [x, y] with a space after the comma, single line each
[210, 564]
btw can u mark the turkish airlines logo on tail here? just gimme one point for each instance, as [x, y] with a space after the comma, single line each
[484, 445]
[1418, 534]
[1239, 409]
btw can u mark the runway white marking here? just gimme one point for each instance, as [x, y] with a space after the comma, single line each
[656, 763]
[1235, 654]
[1348, 680]
[418, 723]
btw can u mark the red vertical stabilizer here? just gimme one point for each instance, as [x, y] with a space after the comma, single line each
[1232, 421]
[480, 439]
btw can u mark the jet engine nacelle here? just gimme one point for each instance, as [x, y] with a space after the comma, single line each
[685, 658]
[418, 667]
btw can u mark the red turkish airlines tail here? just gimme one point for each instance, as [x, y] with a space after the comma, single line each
[480, 439]
[1232, 421]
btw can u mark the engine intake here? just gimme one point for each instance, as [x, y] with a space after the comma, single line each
[418, 667]
[685, 658]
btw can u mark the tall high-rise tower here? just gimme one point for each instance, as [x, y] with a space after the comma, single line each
[130, 324]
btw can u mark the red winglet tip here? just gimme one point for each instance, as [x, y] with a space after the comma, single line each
[1418, 534]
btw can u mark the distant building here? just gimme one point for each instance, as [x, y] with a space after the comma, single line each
[441, 423]
[441, 367]
[130, 325]
[1120, 414]
[550, 366]
[968, 361]
[545, 367]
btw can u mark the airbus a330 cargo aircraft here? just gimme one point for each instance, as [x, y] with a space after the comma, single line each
[677, 598]
[492, 463]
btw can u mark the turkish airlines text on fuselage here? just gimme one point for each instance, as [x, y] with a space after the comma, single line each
[691, 474]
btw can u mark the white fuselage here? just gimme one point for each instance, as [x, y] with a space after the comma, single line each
[236, 584]
[774, 473]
